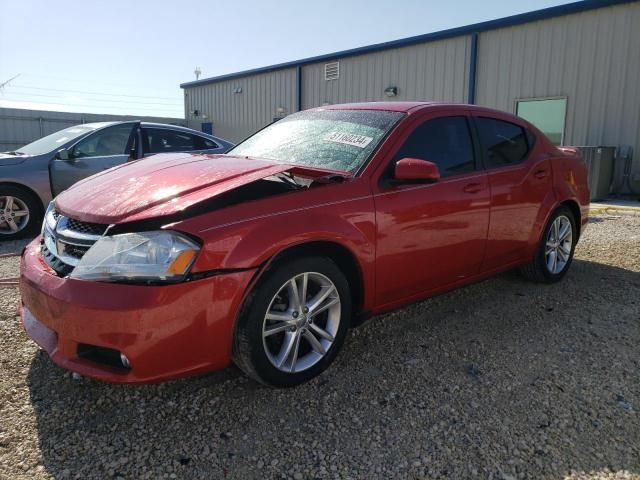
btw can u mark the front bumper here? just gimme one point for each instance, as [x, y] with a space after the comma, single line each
[165, 331]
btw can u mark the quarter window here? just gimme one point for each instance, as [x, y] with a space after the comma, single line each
[504, 143]
[445, 141]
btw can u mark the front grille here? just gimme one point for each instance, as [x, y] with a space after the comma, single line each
[85, 227]
[66, 240]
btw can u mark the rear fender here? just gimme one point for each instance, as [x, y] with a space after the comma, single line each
[548, 205]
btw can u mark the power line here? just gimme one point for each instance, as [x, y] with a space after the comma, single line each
[77, 80]
[92, 93]
[87, 106]
[96, 99]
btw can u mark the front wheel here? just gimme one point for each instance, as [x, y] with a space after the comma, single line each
[294, 322]
[555, 251]
[20, 213]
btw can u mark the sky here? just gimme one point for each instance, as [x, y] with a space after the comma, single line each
[129, 57]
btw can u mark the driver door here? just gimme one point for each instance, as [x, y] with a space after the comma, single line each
[431, 235]
[103, 149]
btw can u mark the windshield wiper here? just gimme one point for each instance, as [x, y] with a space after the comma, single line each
[289, 179]
[13, 153]
[332, 178]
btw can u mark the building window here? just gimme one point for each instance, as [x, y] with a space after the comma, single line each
[548, 114]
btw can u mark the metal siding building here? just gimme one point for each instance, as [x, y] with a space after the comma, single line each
[236, 115]
[586, 52]
[591, 58]
[438, 69]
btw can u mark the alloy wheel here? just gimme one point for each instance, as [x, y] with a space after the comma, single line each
[14, 215]
[558, 246]
[301, 322]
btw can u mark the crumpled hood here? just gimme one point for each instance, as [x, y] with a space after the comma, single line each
[159, 185]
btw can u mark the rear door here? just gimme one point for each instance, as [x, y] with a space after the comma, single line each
[520, 180]
[101, 150]
[431, 235]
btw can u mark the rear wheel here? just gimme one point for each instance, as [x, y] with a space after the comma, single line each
[20, 213]
[294, 322]
[555, 251]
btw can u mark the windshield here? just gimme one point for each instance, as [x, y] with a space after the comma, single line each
[53, 141]
[332, 139]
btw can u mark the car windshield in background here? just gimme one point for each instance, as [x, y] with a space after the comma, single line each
[332, 139]
[55, 140]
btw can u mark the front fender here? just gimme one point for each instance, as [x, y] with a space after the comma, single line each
[252, 242]
[32, 174]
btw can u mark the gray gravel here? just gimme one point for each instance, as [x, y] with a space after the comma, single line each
[503, 379]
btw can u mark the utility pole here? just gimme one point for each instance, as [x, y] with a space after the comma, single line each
[4, 84]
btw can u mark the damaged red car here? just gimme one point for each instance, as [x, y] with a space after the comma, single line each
[179, 264]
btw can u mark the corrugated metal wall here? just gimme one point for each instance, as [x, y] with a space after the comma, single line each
[236, 115]
[19, 127]
[592, 58]
[431, 71]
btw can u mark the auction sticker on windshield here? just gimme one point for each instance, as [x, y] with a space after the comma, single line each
[359, 141]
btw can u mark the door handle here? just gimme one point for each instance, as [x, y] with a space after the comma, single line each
[472, 188]
[541, 174]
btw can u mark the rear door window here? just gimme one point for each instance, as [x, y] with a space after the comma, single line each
[445, 141]
[162, 140]
[504, 143]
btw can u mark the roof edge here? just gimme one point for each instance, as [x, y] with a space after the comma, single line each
[518, 19]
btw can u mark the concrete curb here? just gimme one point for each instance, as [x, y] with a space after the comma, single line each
[605, 209]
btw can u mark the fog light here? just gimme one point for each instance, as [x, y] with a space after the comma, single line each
[125, 361]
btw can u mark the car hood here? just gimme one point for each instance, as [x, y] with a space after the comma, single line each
[159, 185]
[8, 159]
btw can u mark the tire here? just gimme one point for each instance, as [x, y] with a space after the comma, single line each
[20, 200]
[541, 269]
[270, 309]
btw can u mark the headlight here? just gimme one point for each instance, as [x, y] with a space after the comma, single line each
[148, 256]
[49, 219]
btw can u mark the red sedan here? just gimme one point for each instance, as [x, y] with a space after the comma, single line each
[178, 264]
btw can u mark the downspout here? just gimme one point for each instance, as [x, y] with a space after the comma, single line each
[473, 62]
[299, 82]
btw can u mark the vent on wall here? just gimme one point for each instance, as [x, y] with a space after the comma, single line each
[331, 71]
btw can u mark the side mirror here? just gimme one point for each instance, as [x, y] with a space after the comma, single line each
[63, 154]
[413, 170]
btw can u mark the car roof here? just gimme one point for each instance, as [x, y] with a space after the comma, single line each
[409, 107]
[387, 106]
[97, 125]
[177, 127]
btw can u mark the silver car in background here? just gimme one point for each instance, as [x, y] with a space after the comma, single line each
[32, 175]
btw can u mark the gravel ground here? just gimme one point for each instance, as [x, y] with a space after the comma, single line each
[502, 379]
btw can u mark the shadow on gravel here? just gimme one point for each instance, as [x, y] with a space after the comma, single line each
[503, 378]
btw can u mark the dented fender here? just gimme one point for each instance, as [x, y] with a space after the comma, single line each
[341, 214]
